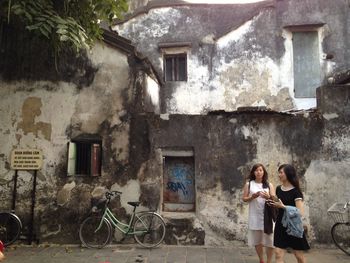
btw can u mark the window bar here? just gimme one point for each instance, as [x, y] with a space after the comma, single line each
[173, 69]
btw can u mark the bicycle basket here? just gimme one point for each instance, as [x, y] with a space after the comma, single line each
[338, 213]
[98, 205]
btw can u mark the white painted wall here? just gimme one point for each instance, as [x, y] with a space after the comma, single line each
[57, 109]
[251, 79]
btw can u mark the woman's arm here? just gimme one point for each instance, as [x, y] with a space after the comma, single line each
[300, 205]
[267, 195]
[272, 190]
[246, 197]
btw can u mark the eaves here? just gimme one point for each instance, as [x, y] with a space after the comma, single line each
[176, 3]
[261, 111]
[116, 41]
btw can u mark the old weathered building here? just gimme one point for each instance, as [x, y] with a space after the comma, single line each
[239, 87]
[87, 105]
[270, 53]
[178, 115]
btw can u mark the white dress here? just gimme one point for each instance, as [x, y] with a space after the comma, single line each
[256, 233]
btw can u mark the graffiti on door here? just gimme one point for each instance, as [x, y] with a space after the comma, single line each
[179, 190]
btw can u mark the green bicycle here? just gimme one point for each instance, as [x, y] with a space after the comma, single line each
[148, 228]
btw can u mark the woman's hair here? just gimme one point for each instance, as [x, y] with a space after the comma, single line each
[291, 174]
[265, 176]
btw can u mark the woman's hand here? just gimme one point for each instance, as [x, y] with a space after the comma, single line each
[264, 195]
[255, 195]
[275, 203]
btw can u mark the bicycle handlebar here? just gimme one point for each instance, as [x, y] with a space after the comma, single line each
[109, 194]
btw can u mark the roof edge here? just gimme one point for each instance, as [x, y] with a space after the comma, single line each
[173, 3]
[114, 40]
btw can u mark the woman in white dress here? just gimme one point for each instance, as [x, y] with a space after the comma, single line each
[255, 192]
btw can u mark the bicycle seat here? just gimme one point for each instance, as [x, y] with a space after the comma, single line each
[134, 203]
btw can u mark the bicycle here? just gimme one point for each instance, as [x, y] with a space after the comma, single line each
[147, 228]
[10, 227]
[340, 231]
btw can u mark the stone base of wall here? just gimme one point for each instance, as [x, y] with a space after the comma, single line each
[184, 232]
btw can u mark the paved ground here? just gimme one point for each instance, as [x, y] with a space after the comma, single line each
[164, 254]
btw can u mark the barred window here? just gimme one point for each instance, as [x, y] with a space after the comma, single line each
[84, 157]
[175, 67]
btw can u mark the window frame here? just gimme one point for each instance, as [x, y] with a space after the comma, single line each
[82, 157]
[305, 28]
[175, 64]
[299, 92]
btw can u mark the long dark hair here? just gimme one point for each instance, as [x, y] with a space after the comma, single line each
[265, 176]
[292, 176]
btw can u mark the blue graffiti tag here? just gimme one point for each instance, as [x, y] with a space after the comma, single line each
[177, 186]
[181, 174]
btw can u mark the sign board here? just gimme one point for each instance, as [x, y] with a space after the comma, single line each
[26, 159]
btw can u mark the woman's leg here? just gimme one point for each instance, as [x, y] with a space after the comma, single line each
[260, 251]
[269, 254]
[280, 255]
[299, 254]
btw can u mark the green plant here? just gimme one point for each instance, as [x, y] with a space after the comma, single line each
[72, 23]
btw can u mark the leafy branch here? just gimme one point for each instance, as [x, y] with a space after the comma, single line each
[73, 23]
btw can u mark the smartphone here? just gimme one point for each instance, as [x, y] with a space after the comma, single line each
[274, 198]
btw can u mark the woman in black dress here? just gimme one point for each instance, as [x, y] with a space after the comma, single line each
[289, 194]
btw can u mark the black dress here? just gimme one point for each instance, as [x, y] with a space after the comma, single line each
[281, 238]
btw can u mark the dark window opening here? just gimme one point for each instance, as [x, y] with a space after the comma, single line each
[175, 67]
[84, 157]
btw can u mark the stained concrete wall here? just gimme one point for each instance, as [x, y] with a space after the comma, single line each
[328, 178]
[103, 93]
[240, 55]
[47, 114]
[225, 147]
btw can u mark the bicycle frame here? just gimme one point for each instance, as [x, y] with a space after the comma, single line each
[147, 227]
[124, 228]
[340, 231]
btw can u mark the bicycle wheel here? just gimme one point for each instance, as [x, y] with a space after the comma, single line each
[10, 228]
[93, 237]
[341, 236]
[149, 229]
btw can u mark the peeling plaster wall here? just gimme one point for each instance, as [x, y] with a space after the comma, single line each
[246, 65]
[152, 96]
[225, 147]
[327, 178]
[240, 55]
[46, 115]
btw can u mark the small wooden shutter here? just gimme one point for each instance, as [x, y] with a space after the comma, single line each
[72, 157]
[307, 69]
[95, 159]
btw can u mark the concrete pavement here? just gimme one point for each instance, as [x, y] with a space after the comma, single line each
[164, 254]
